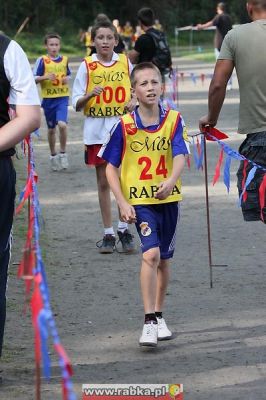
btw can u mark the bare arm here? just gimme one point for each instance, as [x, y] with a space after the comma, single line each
[133, 55]
[51, 77]
[166, 187]
[126, 210]
[28, 118]
[223, 71]
[206, 25]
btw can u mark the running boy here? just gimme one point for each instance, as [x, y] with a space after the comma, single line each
[149, 147]
[53, 73]
[102, 89]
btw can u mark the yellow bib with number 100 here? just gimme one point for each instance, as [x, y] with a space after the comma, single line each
[116, 83]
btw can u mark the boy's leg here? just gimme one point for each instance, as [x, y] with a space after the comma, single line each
[50, 116]
[62, 136]
[162, 283]
[63, 158]
[61, 120]
[148, 283]
[148, 279]
[147, 228]
[104, 196]
[51, 135]
[54, 160]
[168, 231]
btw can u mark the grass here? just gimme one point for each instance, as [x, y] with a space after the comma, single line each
[71, 47]
[34, 47]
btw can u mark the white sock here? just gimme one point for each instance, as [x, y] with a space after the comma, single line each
[122, 226]
[109, 231]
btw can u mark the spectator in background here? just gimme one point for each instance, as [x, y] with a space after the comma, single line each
[127, 35]
[152, 45]
[222, 22]
[158, 25]
[244, 49]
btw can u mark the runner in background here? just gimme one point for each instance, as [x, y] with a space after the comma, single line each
[104, 94]
[53, 74]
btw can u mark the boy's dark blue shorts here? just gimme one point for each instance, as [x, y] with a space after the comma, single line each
[157, 227]
[55, 110]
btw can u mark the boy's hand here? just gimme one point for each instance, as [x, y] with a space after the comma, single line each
[129, 107]
[51, 76]
[127, 213]
[164, 189]
[65, 80]
[96, 91]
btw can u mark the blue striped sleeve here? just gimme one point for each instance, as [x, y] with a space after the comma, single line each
[179, 145]
[113, 148]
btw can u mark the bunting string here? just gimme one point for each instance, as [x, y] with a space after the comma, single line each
[32, 270]
[214, 134]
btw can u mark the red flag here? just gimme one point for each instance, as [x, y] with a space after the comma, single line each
[218, 167]
[214, 132]
[245, 195]
[36, 306]
[27, 192]
[262, 192]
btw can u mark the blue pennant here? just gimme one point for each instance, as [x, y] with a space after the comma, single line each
[42, 320]
[227, 166]
[193, 77]
[200, 161]
[250, 176]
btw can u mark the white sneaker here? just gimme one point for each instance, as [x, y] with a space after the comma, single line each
[63, 159]
[54, 162]
[149, 335]
[163, 332]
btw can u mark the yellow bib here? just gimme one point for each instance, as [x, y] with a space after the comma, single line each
[116, 83]
[147, 160]
[56, 88]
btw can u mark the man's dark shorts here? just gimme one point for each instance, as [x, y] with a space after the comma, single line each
[254, 149]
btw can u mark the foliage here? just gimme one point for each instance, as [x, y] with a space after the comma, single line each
[66, 16]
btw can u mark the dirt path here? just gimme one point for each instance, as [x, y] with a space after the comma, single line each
[218, 349]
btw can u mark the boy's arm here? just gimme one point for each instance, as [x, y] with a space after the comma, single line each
[206, 25]
[127, 211]
[39, 72]
[166, 187]
[97, 90]
[27, 120]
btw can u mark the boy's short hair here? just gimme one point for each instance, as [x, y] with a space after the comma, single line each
[103, 24]
[222, 6]
[51, 36]
[141, 67]
[146, 16]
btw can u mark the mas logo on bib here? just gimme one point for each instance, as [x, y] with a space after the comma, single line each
[145, 229]
[131, 129]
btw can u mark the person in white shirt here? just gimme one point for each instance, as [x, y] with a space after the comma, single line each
[17, 89]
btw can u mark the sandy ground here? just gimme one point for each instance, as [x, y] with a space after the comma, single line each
[219, 343]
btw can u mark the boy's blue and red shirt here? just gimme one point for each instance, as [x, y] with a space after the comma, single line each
[39, 69]
[112, 151]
